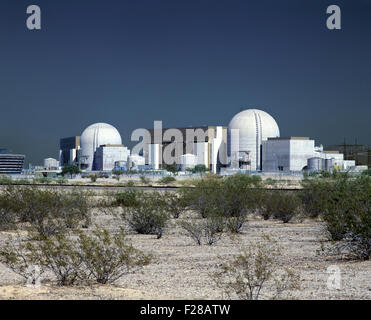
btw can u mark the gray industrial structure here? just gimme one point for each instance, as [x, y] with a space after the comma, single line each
[208, 145]
[11, 163]
[251, 142]
[106, 155]
[68, 150]
[51, 164]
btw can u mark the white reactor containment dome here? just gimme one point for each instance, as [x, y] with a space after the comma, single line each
[246, 131]
[94, 136]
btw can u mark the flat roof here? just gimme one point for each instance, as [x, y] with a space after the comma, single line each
[290, 138]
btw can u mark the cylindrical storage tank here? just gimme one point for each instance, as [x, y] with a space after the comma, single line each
[247, 130]
[315, 164]
[329, 164]
[187, 161]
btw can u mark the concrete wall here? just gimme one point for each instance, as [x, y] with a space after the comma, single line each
[286, 154]
[106, 156]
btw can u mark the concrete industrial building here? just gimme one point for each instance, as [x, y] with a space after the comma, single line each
[51, 164]
[136, 162]
[11, 163]
[107, 155]
[95, 136]
[251, 142]
[246, 132]
[208, 144]
[287, 154]
[68, 150]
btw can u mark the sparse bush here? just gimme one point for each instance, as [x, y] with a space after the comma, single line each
[109, 257]
[235, 224]
[255, 269]
[314, 196]
[46, 210]
[348, 218]
[280, 205]
[208, 229]
[130, 183]
[62, 180]
[174, 203]
[128, 198]
[194, 229]
[150, 216]
[101, 256]
[167, 180]
[213, 227]
[202, 197]
[42, 180]
[93, 177]
[4, 180]
[60, 255]
[144, 179]
[17, 255]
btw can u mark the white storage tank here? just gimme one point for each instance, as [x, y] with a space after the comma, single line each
[315, 164]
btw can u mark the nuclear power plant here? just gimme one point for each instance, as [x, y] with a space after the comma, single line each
[250, 143]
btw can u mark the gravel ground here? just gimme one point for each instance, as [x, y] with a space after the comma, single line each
[181, 269]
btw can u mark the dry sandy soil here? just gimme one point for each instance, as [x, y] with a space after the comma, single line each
[182, 269]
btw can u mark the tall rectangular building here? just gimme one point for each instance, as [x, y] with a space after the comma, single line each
[68, 152]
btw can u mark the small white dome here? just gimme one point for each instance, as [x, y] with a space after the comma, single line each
[247, 130]
[94, 136]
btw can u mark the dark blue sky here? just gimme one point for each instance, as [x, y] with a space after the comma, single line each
[189, 62]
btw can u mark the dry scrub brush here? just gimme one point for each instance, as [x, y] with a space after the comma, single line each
[255, 273]
[77, 258]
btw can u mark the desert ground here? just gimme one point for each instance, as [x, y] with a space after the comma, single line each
[181, 269]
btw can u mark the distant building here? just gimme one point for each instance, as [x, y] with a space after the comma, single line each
[101, 146]
[287, 154]
[68, 152]
[247, 132]
[11, 163]
[51, 164]
[107, 155]
[136, 163]
[297, 154]
[207, 143]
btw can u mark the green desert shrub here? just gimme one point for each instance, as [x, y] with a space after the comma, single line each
[206, 230]
[255, 272]
[167, 180]
[106, 258]
[48, 211]
[175, 204]
[150, 216]
[102, 257]
[93, 177]
[281, 205]
[128, 198]
[347, 215]
[144, 179]
[314, 196]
